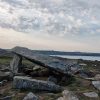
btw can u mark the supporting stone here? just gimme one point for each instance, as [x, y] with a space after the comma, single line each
[16, 64]
[27, 83]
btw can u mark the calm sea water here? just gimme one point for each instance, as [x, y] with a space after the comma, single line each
[92, 58]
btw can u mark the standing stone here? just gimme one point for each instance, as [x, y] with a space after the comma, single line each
[16, 64]
[27, 83]
[31, 96]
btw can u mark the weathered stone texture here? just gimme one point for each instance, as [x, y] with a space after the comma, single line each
[21, 82]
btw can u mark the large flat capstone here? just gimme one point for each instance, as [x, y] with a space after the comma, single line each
[27, 83]
[52, 63]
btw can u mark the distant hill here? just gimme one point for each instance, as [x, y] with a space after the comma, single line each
[6, 52]
[2, 52]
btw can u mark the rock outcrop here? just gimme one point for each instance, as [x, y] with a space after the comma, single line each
[21, 82]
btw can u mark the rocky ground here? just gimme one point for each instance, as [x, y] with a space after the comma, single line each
[83, 85]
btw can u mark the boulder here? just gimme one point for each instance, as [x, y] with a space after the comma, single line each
[27, 83]
[91, 94]
[96, 84]
[86, 74]
[97, 77]
[67, 95]
[31, 96]
[52, 79]
[4, 76]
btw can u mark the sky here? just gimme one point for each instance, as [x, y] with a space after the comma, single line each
[65, 25]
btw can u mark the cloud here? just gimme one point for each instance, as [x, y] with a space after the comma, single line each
[52, 17]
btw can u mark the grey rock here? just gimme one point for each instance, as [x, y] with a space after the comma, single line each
[16, 64]
[52, 79]
[67, 95]
[97, 77]
[21, 82]
[4, 76]
[31, 96]
[96, 84]
[58, 65]
[91, 94]
[75, 68]
[6, 98]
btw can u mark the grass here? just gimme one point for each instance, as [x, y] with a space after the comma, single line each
[5, 60]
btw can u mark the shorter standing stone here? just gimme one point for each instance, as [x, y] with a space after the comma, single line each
[91, 94]
[96, 84]
[31, 96]
[16, 64]
[22, 82]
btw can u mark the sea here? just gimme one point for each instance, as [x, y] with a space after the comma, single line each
[92, 58]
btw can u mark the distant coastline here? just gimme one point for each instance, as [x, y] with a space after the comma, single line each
[49, 52]
[67, 53]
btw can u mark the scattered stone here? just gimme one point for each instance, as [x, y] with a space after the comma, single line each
[6, 98]
[2, 83]
[22, 82]
[4, 75]
[86, 74]
[97, 77]
[67, 95]
[31, 96]
[52, 79]
[96, 84]
[75, 68]
[91, 94]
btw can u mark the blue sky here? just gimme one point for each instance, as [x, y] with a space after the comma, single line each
[66, 25]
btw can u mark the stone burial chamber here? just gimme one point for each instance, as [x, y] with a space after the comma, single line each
[53, 64]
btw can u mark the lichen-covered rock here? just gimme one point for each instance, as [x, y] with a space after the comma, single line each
[31, 96]
[21, 82]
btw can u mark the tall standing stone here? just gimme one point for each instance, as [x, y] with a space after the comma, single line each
[16, 64]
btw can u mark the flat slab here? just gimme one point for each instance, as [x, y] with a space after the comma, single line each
[59, 65]
[22, 82]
